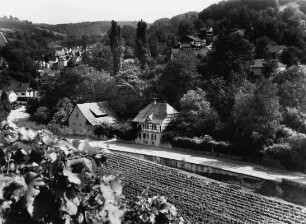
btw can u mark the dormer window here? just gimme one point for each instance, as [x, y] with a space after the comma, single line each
[98, 114]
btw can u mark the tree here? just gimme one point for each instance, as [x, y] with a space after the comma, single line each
[179, 76]
[126, 95]
[63, 110]
[270, 67]
[292, 88]
[115, 41]
[290, 56]
[262, 47]
[186, 27]
[4, 96]
[142, 51]
[256, 111]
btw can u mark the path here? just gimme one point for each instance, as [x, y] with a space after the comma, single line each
[17, 114]
[246, 168]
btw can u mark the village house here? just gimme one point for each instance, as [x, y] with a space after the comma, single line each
[257, 67]
[85, 117]
[275, 50]
[23, 91]
[153, 120]
[11, 95]
[189, 41]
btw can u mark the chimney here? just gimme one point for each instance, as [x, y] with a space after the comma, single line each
[154, 100]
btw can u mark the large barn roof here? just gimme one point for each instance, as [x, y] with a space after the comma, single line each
[98, 112]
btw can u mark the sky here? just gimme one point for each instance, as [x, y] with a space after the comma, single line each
[72, 11]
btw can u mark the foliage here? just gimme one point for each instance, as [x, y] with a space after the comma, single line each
[47, 180]
[149, 210]
[181, 71]
[292, 88]
[294, 119]
[142, 49]
[270, 68]
[41, 116]
[63, 110]
[126, 95]
[115, 41]
[256, 111]
[127, 131]
[104, 129]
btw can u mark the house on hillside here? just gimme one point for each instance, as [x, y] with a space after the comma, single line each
[189, 41]
[153, 120]
[22, 90]
[85, 117]
[257, 67]
[11, 95]
[3, 40]
[275, 50]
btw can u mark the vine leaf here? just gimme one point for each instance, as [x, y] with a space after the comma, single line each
[33, 182]
[72, 177]
[26, 134]
[70, 202]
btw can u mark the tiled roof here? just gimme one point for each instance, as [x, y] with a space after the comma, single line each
[155, 113]
[194, 38]
[98, 113]
[258, 63]
[275, 48]
[17, 86]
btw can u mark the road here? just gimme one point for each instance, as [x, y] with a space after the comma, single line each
[246, 168]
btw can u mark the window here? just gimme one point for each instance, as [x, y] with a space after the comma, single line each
[144, 136]
[22, 94]
[139, 135]
[154, 127]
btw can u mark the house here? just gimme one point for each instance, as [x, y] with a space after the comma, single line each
[3, 40]
[11, 95]
[22, 90]
[85, 117]
[258, 66]
[153, 120]
[275, 50]
[191, 42]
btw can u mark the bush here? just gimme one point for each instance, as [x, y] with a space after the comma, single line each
[295, 119]
[41, 115]
[59, 129]
[207, 144]
[104, 129]
[127, 131]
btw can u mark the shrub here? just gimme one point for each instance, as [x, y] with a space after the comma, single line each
[295, 119]
[59, 129]
[41, 115]
[127, 131]
[104, 129]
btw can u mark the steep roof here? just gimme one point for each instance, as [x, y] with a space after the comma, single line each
[155, 113]
[275, 48]
[194, 38]
[17, 86]
[258, 63]
[98, 112]
[3, 40]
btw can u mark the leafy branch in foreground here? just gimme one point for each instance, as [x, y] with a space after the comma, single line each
[45, 179]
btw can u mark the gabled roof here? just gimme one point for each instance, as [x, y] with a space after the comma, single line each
[275, 48]
[17, 86]
[155, 113]
[194, 38]
[3, 40]
[259, 63]
[98, 112]
[59, 53]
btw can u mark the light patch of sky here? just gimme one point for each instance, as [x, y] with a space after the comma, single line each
[72, 11]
